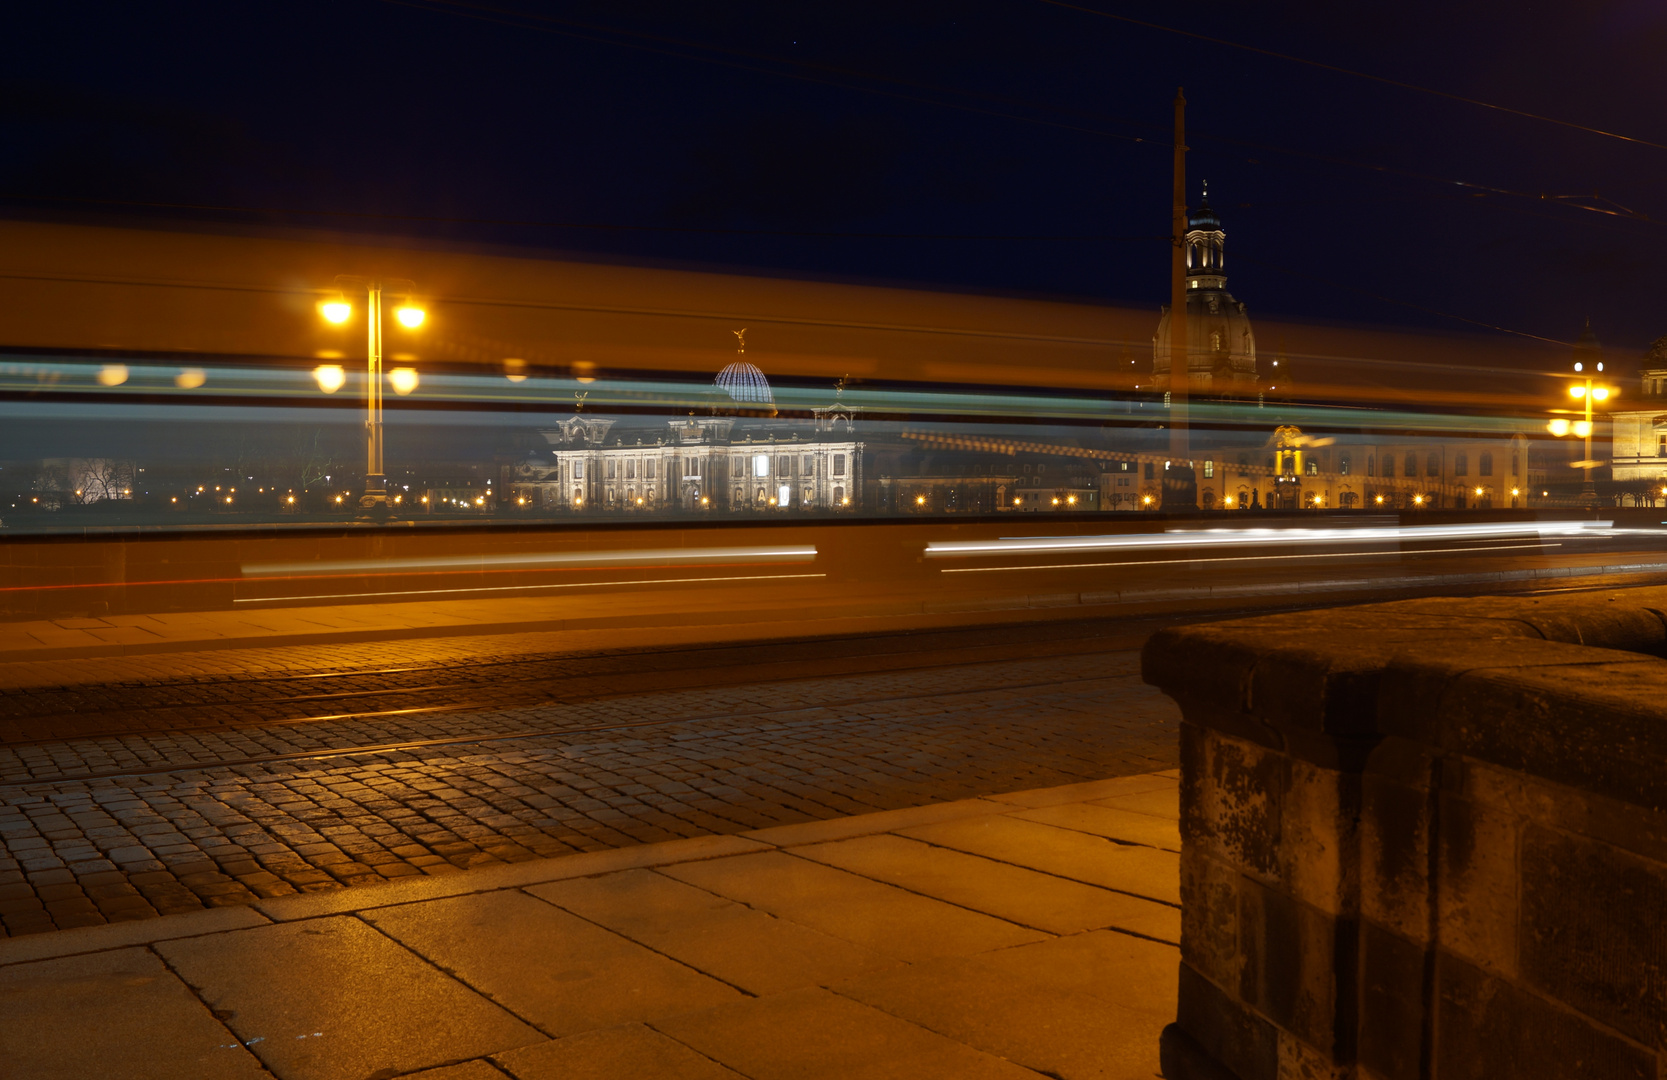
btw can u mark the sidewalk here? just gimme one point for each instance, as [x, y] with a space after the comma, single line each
[1017, 935]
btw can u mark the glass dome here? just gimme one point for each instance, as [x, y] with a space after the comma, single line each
[744, 383]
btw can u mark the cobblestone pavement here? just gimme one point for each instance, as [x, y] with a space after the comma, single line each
[507, 784]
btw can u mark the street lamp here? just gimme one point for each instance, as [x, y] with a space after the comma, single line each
[330, 377]
[1586, 393]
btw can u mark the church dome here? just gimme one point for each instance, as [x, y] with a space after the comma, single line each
[1202, 217]
[744, 383]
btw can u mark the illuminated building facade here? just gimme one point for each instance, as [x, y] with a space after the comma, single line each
[1291, 471]
[1639, 436]
[750, 461]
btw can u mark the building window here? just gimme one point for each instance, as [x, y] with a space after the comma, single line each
[1311, 467]
[808, 497]
[612, 468]
[1516, 465]
[1209, 469]
[578, 470]
[631, 470]
[1485, 465]
[1461, 464]
[1389, 464]
[1150, 470]
[1371, 464]
[784, 465]
[1432, 465]
[807, 466]
[839, 496]
[1215, 340]
[784, 495]
[839, 465]
[1343, 465]
[761, 465]
[648, 468]
[691, 467]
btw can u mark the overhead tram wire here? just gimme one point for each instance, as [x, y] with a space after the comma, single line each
[1339, 70]
[599, 226]
[664, 46]
[1402, 303]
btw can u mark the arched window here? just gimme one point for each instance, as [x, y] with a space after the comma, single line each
[1485, 465]
[1516, 465]
[1432, 466]
[1343, 465]
[1389, 464]
[1208, 499]
[839, 496]
[1461, 464]
[1371, 464]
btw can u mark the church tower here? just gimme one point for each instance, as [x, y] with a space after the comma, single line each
[1221, 349]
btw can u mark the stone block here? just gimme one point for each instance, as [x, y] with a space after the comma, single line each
[1488, 1028]
[1318, 841]
[1394, 855]
[1231, 798]
[1479, 874]
[1290, 963]
[1210, 917]
[1392, 1003]
[1594, 931]
[1222, 1028]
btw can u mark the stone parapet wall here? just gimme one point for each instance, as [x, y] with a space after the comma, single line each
[1423, 840]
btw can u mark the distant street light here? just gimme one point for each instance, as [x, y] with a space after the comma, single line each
[1586, 393]
[404, 380]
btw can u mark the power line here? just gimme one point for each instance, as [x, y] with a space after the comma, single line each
[599, 226]
[664, 46]
[1335, 69]
[1401, 303]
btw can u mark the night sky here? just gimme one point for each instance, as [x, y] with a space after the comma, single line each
[1018, 146]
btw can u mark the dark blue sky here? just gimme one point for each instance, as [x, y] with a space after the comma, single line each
[721, 130]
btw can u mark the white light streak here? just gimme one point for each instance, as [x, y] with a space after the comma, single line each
[551, 560]
[525, 588]
[1537, 546]
[1219, 538]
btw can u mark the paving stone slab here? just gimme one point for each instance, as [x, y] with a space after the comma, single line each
[1124, 825]
[1023, 896]
[627, 1052]
[812, 1034]
[1164, 804]
[333, 998]
[1093, 789]
[879, 917]
[112, 1014]
[1143, 871]
[559, 971]
[489, 878]
[749, 949]
[1067, 1035]
[116, 935]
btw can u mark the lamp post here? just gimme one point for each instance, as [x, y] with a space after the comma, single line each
[1586, 393]
[404, 380]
